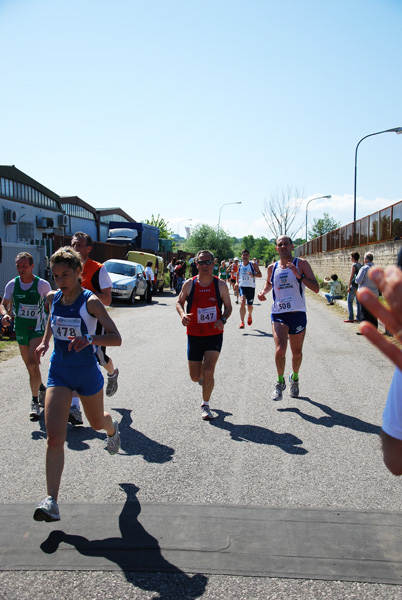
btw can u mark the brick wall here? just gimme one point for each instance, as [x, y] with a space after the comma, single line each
[338, 261]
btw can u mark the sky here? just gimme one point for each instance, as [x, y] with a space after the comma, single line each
[183, 107]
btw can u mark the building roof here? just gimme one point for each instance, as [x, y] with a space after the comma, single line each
[11, 172]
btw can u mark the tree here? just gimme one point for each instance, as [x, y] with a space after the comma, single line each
[164, 231]
[322, 226]
[204, 237]
[281, 210]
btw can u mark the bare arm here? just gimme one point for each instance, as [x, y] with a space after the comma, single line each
[5, 310]
[44, 345]
[267, 286]
[227, 303]
[185, 290]
[105, 296]
[304, 269]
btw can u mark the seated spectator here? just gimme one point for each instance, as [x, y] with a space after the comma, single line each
[335, 289]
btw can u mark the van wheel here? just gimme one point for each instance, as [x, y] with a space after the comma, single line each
[132, 297]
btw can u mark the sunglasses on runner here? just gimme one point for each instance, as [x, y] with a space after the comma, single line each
[205, 262]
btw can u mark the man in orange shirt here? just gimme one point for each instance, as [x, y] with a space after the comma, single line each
[95, 278]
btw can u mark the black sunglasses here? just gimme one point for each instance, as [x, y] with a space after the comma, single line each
[204, 262]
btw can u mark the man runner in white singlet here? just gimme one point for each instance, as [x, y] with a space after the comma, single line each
[287, 278]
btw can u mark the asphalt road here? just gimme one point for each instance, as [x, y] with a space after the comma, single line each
[320, 451]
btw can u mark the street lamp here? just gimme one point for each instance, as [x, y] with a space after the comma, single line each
[220, 210]
[318, 198]
[396, 130]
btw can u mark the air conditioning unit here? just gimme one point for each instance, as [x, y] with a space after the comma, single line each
[11, 216]
[63, 221]
[44, 222]
[41, 222]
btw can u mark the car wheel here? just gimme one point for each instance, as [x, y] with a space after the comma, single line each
[132, 297]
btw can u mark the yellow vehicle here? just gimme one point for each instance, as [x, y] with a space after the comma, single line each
[157, 266]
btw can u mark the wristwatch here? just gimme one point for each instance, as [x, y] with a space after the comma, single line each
[89, 338]
[223, 320]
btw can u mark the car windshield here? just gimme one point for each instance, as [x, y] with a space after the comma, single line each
[120, 269]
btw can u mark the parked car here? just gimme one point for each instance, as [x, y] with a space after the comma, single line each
[158, 266]
[128, 279]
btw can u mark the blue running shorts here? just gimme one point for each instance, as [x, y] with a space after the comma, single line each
[86, 380]
[296, 321]
[248, 293]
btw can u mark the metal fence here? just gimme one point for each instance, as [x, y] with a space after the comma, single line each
[382, 226]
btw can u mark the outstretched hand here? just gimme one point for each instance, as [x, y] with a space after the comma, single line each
[389, 281]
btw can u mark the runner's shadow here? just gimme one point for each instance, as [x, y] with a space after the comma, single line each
[136, 550]
[135, 443]
[334, 418]
[258, 435]
[259, 333]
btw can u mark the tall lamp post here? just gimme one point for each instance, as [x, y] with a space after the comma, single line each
[396, 130]
[220, 210]
[318, 198]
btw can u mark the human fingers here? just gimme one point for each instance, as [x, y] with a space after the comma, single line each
[377, 339]
[386, 316]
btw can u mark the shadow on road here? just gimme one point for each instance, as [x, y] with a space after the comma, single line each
[133, 442]
[259, 333]
[334, 418]
[135, 550]
[258, 435]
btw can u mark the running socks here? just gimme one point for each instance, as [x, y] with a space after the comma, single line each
[295, 376]
[281, 379]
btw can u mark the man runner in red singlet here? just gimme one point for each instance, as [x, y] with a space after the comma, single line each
[205, 321]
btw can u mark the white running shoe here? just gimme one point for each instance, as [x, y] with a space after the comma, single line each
[47, 510]
[75, 416]
[294, 388]
[112, 385]
[34, 413]
[206, 414]
[113, 441]
[42, 394]
[277, 393]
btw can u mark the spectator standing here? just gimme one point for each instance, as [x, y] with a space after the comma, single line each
[352, 289]
[149, 276]
[171, 267]
[363, 280]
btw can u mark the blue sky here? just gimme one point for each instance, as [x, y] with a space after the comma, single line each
[179, 107]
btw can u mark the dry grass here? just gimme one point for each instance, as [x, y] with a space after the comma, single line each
[8, 348]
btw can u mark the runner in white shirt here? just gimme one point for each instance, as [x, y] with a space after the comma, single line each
[287, 278]
[245, 284]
